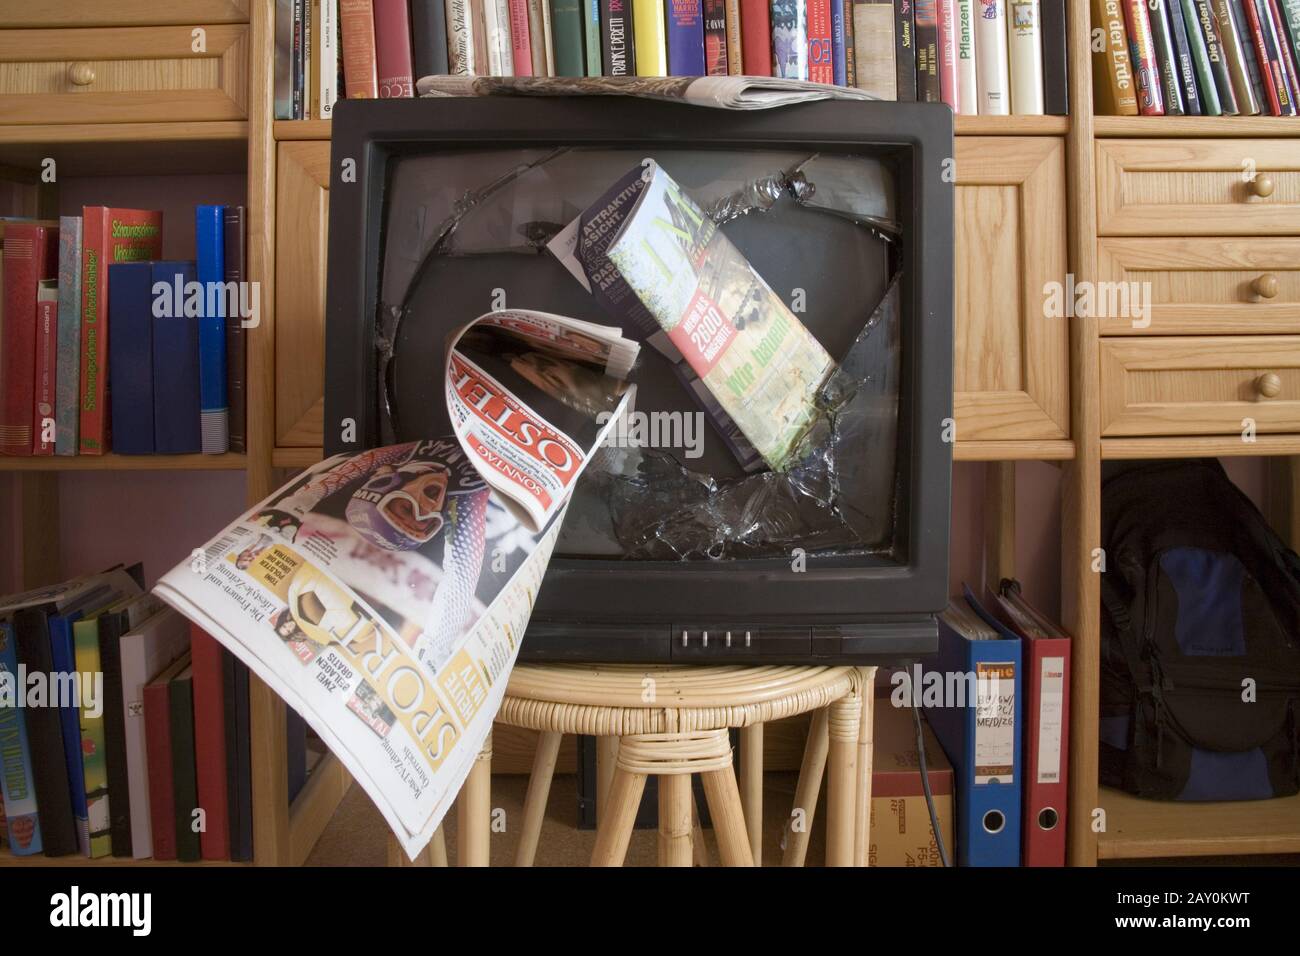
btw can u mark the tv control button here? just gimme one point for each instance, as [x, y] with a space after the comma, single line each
[706, 639]
[685, 640]
[748, 639]
[728, 638]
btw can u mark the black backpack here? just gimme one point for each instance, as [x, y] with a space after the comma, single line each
[1200, 639]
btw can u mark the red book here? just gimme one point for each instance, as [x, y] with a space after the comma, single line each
[31, 254]
[360, 71]
[821, 67]
[949, 90]
[1261, 54]
[715, 37]
[108, 236]
[47, 350]
[756, 37]
[210, 743]
[158, 755]
[521, 50]
[1142, 52]
[1284, 54]
[393, 50]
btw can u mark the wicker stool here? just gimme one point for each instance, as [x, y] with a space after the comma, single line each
[673, 721]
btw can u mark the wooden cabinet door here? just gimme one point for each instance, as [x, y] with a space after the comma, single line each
[301, 218]
[124, 74]
[98, 13]
[1011, 360]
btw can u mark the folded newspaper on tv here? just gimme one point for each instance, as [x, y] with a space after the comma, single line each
[384, 594]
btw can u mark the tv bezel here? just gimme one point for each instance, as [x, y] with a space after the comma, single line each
[838, 590]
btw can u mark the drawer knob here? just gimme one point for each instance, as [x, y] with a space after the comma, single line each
[1265, 286]
[81, 74]
[1269, 385]
[1260, 186]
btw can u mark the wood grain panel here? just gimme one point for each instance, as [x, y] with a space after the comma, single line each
[97, 13]
[1198, 187]
[1198, 386]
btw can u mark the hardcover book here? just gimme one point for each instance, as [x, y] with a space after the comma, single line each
[874, 40]
[566, 32]
[992, 65]
[1216, 53]
[68, 375]
[618, 40]
[521, 50]
[282, 102]
[967, 74]
[735, 49]
[184, 773]
[1025, 52]
[839, 48]
[1177, 72]
[209, 240]
[211, 746]
[685, 37]
[17, 785]
[905, 49]
[1206, 89]
[496, 34]
[928, 89]
[949, 88]
[1056, 85]
[1236, 44]
[651, 38]
[393, 65]
[160, 771]
[30, 255]
[1112, 71]
[591, 36]
[429, 37]
[130, 313]
[715, 37]
[43, 376]
[1284, 45]
[821, 65]
[85, 637]
[538, 36]
[790, 39]
[109, 236]
[756, 37]
[327, 57]
[176, 389]
[360, 69]
[234, 235]
[850, 49]
[1151, 101]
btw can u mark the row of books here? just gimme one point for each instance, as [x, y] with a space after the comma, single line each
[173, 380]
[1197, 57]
[155, 762]
[993, 57]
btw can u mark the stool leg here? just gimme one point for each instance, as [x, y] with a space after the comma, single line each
[723, 797]
[606, 758]
[842, 792]
[539, 788]
[699, 848]
[614, 827]
[438, 848]
[751, 787]
[866, 752]
[807, 791]
[474, 811]
[676, 807]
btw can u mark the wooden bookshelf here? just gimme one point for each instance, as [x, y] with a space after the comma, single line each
[116, 149]
[1146, 829]
[227, 462]
[1196, 126]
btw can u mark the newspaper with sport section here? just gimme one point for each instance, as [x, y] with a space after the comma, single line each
[384, 594]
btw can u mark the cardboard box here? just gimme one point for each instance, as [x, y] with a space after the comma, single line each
[901, 834]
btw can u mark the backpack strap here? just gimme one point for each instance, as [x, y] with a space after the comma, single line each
[1129, 643]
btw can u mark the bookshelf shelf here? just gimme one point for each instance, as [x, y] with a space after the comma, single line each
[227, 462]
[1198, 126]
[1147, 829]
[107, 149]
[8, 859]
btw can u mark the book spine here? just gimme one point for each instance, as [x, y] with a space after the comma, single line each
[521, 49]
[1025, 51]
[43, 376]
[158, 749]
[567, 30]
[1056, 80]
[1250, 56]
[429, 37]
[17, 785]
[312, 32]
[789, 39]
[26, 254]
[92, 424]
[282, 96]
[850, 46]
[1230, 32]
[928, 88]
[63, 665]
[327, 51]
[1287, 57]
[185, 795]
[548, 37]
[85, 636]
[715, 37]
[538, 41]
[214, 413]
[1151, 101]
[176, 376]
[244, 769]
[235, 239]
[756, 37]
[821, 65]
[111, 628]
[210, 745]
[967, 75]
[1210, 104]
[1269, 67]
[478, 27]
[1217, 54]
[299, 49]
[949, 80]
[130, 366]
[685, 37]
[68, 375]
[992, 62]
[839, 50]
[735, 50]
[1177, 72]
[393, 50]
[905, 50]
[230, 730]
[591, 36]
[493, 27]
[1112, 70]
[360, 68]
[874, 38]
[618, 55]
[1290, 10]
[1184, 70]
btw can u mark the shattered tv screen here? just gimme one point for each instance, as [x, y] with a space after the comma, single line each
[796, 240]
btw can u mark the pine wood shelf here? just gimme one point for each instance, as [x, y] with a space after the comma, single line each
[1158, 126]
[115, 149]
[227, 462]
[1147, 829]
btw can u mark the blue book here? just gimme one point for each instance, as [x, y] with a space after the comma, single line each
[17, 785]
[591, 41]
[209, 241]
[982, 736]
[130, 363]
[685, 37]
[839, 58]
[63, 657]
[176, 368]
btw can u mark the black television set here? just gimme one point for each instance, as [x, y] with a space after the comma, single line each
[442, 209]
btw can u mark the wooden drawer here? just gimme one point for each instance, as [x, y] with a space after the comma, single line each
[1204, 385]
[119, 13]
[124, 75]
[1200, 286]
[1198, 187]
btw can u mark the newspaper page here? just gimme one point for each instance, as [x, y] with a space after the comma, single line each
[758, 360]
[384, 594]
